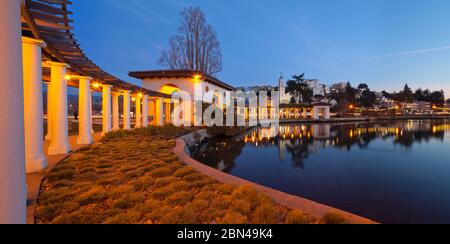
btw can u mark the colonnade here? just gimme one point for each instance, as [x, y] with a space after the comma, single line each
[313, 112]
[21, 102]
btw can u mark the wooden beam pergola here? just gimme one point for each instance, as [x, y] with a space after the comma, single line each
[49, 21]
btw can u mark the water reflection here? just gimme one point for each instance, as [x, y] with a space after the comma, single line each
[299, 141]
[392, 172]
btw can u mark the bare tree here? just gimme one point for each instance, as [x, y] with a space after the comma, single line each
[195, 46]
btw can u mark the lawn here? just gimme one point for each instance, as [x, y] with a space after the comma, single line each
[133, 177]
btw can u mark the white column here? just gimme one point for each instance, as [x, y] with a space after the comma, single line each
[168, 112]
[49, 130]
[138, 112]
[92, 114]
[106, 108]
[58, 105]
[159, 111]
[85, 114]
[145, 111]
[126, 110]
[115, 111]
[12, 145]
[33, 104]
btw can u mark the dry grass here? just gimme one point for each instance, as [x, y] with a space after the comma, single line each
[133, 177]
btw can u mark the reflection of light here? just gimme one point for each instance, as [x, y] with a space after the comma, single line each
[351, 133]
[434, 129]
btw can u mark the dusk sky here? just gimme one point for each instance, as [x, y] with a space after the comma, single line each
[385, 43]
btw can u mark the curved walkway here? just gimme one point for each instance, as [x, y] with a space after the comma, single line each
[294, 202]
[34, 180]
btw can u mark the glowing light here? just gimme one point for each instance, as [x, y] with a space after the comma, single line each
[68, 77]
[197, 77]
[351, 106]
[133, 99]
[140, 94]
[96, 85]
[434, 107]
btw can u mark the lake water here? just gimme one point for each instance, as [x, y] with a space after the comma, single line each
[394, 172]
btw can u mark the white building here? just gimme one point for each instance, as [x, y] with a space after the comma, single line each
[339, 87]
[285, 98]
[172, 81]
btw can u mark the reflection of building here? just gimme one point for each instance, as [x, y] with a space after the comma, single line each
[321, 131]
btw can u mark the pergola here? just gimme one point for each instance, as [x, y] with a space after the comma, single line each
[37, 45]
[49, 21]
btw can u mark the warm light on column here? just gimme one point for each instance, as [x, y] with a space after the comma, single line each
[106, 104]
[145, 111]
[159, 111]
[115, 112]
[33, 104]
[138, 111]
[126, 110]
[49, 130]
[59, 143]
[85, 114]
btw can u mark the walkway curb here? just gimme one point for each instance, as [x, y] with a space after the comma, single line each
[294, 202]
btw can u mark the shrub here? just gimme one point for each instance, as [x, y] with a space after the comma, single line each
[179, 198]
[241, 206]
[96, 195]
[128, 201]
[266, 214]
[198, 205]
[129, 217]
[160, 172]
[179, 216]
[61, 175]
[210, 215]
[298, 217]
[165, 181]
[221, 202]
[163, 193]
[62, 183]
[246, 193]
[80, 217]
[333, 219]
[226, 189]
[232, 217]
[184, 172]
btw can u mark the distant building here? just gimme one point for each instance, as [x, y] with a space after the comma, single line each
[285, 98]
[339, 87]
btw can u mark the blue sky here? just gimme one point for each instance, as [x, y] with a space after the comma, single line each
[385, 43]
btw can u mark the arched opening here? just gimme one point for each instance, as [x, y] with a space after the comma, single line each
[167, 107]
[169, 89]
